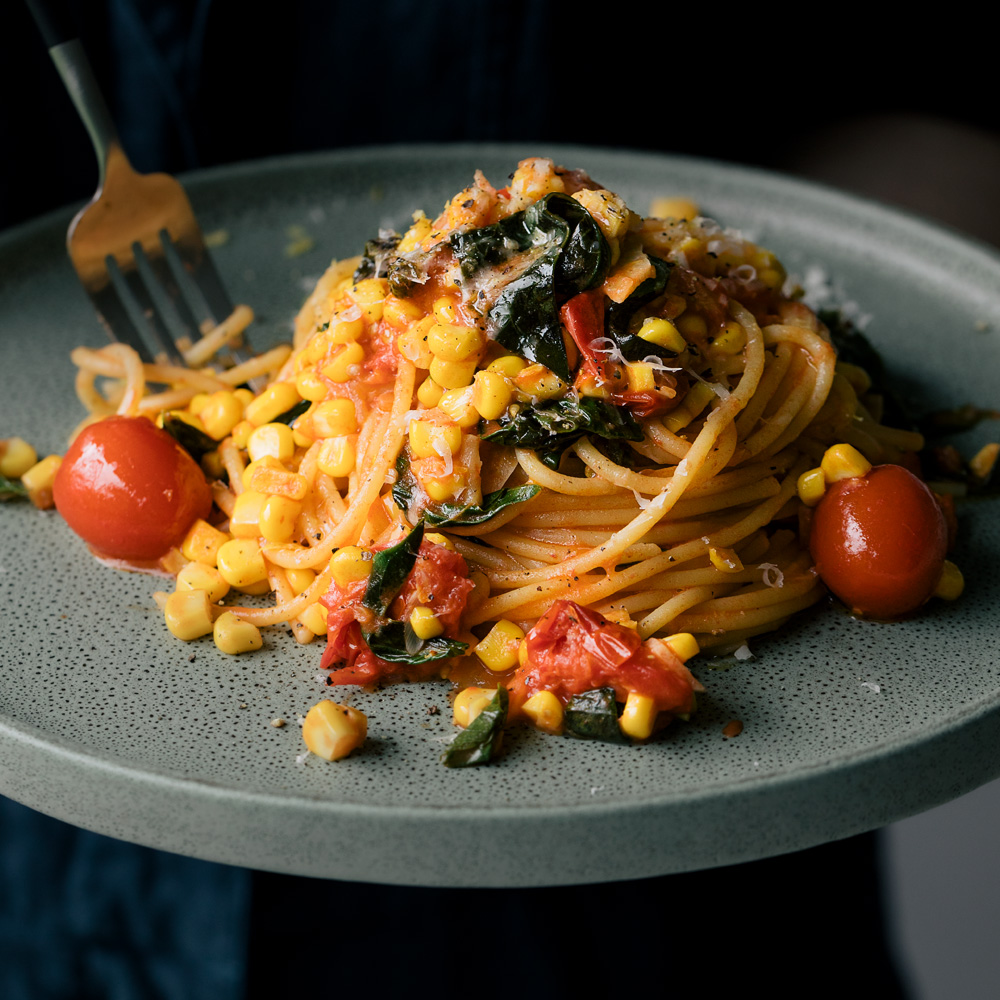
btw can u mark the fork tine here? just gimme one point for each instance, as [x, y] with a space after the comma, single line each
[142, 309]
[193, 266]
[173, 307]
[116, 319]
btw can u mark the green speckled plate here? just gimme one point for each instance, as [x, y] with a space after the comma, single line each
[108, 722]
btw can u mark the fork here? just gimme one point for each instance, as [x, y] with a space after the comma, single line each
[136, 247]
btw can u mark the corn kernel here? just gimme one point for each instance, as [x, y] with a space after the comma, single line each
[412, 343]
[16, 457]
[272, 402]
[439, 539]
[507, 364]
[731, 340]
[266, 462]
[428, 440]
[640, 376]
[429, 393]
[725, 560]
[692, 325]
[773, 277]
[843, 461]
[345, 363]
[445, 310]
[457, 404]
[335, 418]
[674, 208]
[663, 333]
[221, 412]
[233, 635]
[638, 716]
[545, 711]
[188, 614]
[491, 394]
[38, 481]
[277, 518]
[332, 731]
[299, 580]
[415, 234]
[399, 313]
[343, 331]
[198, 576]
[244, 522]
[241, 563]
[241, 433]
[469, 703]
[951, 584]
[202, 541]
[370, 295]
[350, 564]
[198, 402]
[278, 482]
[539, 382]
[697, 398]
[498, 650]
[315, 619]
[811, 486]
[444, 488]
[452, 374]
[338, 455]
[982, 463]
[310, 386]
[455, 343]
[425, 624]
[683, 644]
[271, 439]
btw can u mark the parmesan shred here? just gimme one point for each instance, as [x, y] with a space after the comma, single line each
[772, 575]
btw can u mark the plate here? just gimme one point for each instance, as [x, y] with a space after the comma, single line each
[109, 723]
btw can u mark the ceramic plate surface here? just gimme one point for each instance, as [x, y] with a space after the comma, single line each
[108, 722]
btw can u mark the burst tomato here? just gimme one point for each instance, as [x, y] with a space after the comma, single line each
[129, 490]
[879, 541]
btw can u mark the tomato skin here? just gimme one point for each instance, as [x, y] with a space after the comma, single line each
[879, 541]
[129, 490]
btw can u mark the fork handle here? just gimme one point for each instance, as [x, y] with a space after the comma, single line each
[77, 75]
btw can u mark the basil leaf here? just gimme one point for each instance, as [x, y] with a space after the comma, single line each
[556, 250]
[632, 346]
[390, 568]
[11, 489]
[456, 516]
[293, 414]
[195, 442]
[405, 484]
[480, 743]
[593, 715]
[398, 643]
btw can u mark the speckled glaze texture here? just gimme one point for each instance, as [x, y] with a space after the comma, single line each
[108, 722]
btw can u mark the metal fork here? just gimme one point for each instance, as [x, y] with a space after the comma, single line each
[136, 247]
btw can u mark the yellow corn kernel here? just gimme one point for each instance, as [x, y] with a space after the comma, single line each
[344, 331]
[310, 386]
[539, 382]
[811, 486]
[344, 365]
[244, 395]
[444, 487]
[491, 394]
[663, 333]
[198, 576]
[457, 404]
[369, 294]
[697, 398]
[335, 418]
[731, 340]
[38, 481]
[234, 636]
[640, 376]
[981, 464]
[692, 325]
[469, 703]
[314, 618]
[202, 542]
[277, 518]
[415, 234]
[338, 456]
[428, 440]
[198, 402]
[266, 462]
[674, 208]
[16, 457]
[429, 393]
[299, 580]
[221, 413]
[445, 310]
[455, 343]
[773, 277]
[725, 560]
[843, 461]
[188, 614]
[683, 644]
[300, 437]
[545, 711]
[350, 564]
[425, 624]
[278, 482]
[452, 374]
[412, 343]
[498, 650]
[272, 402]
[951, 584]
[638, 716]
[271, 439]
[332, 731]
[241, 433]
[244, 522]
[241, 563]
[860, 379]
[507, 364]
[400, 313]
[438, 539]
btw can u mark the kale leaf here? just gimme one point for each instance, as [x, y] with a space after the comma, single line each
[390, 568]
[480, 742]
[398, 643]
[593, 715]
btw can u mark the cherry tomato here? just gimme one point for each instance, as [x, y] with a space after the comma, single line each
[879, 541]
[129, 490]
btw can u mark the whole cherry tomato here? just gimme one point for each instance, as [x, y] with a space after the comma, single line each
[879, 541]
[129, 489]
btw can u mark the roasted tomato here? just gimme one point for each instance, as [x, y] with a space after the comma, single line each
[879, 541]
[129, 490]
[572, 649]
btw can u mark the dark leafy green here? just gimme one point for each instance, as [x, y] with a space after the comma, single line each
[556, 250]
[375, 261]
[11, 489]
[390, 568]
[293, 414]
[632, 346]
[593, 715]
[398, 643]
[480, 742]
[195, 442]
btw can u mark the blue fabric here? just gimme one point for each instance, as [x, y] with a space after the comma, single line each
[84, 916]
